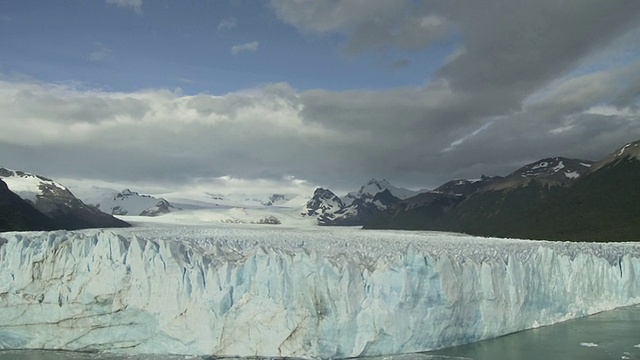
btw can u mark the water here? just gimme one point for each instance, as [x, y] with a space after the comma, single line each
[608, 335]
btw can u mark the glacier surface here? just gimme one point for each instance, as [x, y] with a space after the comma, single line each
[310, 293]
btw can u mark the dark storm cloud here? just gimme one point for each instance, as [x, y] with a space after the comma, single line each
[514, 47]
[509, 53]
[368, 25]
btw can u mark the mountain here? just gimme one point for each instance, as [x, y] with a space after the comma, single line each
[553, 199]
[126, 202]
[357, 207]
[56, 202]
[18, 215]
[324, 205]
[373, 187]
[629, 151]
[550, 171]
[425, 210]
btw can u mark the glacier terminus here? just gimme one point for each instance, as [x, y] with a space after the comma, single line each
[295, 292]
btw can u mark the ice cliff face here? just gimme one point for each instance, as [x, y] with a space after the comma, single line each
[299, 293]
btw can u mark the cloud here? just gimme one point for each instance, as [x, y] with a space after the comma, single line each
[328, 138]
[135, 5]
[246, 47]
[367, 25]
[228, 23]
[100, 53]
[467, 137]
[527, 81]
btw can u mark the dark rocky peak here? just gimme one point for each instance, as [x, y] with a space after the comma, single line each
[323, 200]
[385, 198]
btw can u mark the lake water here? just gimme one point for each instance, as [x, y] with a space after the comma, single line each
[608, 335]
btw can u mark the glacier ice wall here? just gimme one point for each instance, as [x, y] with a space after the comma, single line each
[298, 293]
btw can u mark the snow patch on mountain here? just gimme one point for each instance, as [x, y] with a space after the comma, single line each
[572, 174]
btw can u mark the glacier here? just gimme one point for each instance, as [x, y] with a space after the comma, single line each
[295, 292]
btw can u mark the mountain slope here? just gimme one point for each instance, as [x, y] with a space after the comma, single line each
[553, 199]
[550, 172]
[18, 215]
[426, 210]
[604, 205]
[57, 202]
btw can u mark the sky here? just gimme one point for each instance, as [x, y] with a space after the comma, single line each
[294, 94]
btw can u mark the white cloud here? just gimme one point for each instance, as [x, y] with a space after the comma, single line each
[228, 23]
[467, 137]
[100, 53]
[135, 5]
[608, 110]
[246, 47]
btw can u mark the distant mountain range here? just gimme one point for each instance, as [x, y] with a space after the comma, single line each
[552, 199]
[33, 202]
[125, 202]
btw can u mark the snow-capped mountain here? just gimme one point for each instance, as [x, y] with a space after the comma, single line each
[29, 186]
[127, 202]
[323, 203]
[373, 187]
[357, 207]
[17, 214]
[56, 201]
[550, 171]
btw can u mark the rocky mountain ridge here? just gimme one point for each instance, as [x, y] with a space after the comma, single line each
[553, 199]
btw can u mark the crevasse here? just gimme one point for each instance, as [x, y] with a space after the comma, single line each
[294, 293]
